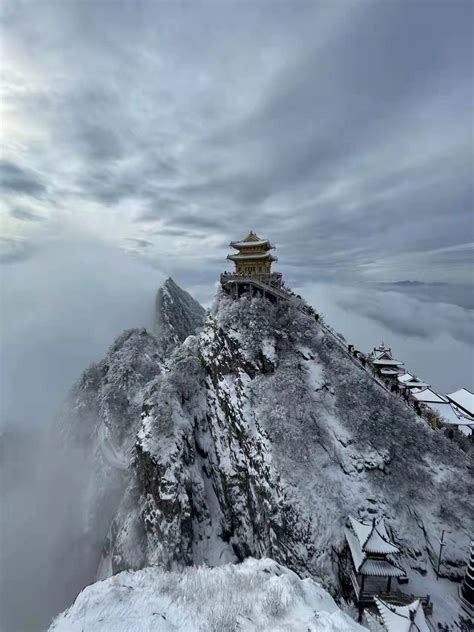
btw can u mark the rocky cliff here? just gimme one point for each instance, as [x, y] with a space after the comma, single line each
[177, 316]
[256, 437]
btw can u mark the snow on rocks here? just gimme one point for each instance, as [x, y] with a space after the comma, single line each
[178, 316]
[98, 426]
[259, 438]
[257, 595]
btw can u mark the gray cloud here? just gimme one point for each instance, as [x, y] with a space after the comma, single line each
[199, 221]
[336, 128]
[454, 294]
[26, 215]
[174, 232]
[14, 250]
[340, 130]
[16, 179]
[140, 243]
[99, 143]
[65, 316]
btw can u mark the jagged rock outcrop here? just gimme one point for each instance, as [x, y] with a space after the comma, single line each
[178, 316]
[257, 437]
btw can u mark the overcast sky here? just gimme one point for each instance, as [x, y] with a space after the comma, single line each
[139, 138]
[342, 130]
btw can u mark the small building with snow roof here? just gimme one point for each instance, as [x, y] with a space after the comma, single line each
[427, 396]
[384, 363]
[408, 618]
[451, 416]
[415, 382]
[373, 556]
[463, 399]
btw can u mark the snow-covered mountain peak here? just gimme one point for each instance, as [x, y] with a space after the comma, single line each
[101, 417]
[178, 315]
[252, 433]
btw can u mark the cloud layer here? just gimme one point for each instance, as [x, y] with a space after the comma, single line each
[340, 130]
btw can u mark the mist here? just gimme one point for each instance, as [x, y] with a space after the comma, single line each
[60, 312]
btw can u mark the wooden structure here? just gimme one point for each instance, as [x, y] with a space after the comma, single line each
[253, 274]
[385, 364]
[254, 257]
[408, 382]
[374, 562]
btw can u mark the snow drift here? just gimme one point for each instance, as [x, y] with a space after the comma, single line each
[258, 595]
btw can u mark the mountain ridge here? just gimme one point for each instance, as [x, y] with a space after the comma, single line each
[256, 437]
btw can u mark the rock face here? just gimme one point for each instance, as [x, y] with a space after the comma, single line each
[101, 419]
[257, 437]
[178, 315]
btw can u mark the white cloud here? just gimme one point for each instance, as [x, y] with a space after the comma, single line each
[60, 312]
[433, 339]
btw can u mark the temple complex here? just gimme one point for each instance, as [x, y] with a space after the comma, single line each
[253, 273]
[382, 360]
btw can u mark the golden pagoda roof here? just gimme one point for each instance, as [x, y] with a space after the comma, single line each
[249, 257]
[250, 241]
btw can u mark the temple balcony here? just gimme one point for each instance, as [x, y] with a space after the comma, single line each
[266, 285]
[273, 278]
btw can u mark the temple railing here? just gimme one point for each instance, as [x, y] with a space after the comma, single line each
[267, 284]
[272, 278]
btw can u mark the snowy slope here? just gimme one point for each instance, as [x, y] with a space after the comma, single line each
[258, 595]
[257, 437]
[262, 436]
